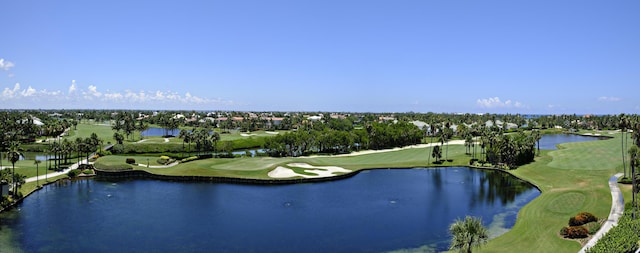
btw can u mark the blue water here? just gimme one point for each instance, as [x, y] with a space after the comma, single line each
[374, 211]
[155, 131]
[549, 141]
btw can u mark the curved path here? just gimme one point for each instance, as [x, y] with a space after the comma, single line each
[59, 173]
[617, 207]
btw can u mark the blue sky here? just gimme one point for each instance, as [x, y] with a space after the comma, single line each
[374, 56]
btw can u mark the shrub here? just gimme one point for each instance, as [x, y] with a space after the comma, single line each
[582, 218]
[574, 232]
[189, 159]
[131, 160]
[593, 227]
[74, 173]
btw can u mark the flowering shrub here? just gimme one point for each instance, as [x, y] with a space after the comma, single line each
[574, 232]
[582, 218]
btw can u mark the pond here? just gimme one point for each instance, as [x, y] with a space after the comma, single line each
[374, 211]
[155, 131]
[549, 141]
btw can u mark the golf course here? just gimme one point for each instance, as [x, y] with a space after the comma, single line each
[572, 179]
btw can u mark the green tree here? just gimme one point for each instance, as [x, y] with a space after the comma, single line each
[537, 136]
[623, 124]
[37, 162]
[467, 234]
[118, 137]
[215, 137]
[436, 153]
[14, 155]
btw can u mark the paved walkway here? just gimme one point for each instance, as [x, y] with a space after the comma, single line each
[55, 174]
[617, 207]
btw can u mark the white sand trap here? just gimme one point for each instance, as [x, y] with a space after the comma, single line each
[246, 135]
[320, 171]
[269, 132]
[166, 139]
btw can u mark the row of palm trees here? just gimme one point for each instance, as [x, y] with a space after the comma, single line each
[205, 140]
[496, 146]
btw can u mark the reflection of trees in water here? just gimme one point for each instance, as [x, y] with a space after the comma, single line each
[504, 186]
[495, 185]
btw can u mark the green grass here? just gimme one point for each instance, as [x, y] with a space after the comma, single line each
[85, 130]
[572, 179]
[28, 168]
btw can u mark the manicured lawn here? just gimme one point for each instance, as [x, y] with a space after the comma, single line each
[28, 168]
[85, 130]
[572, 179]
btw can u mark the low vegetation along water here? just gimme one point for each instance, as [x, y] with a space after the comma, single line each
[374, 211]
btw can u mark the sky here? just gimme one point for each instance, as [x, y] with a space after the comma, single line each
[527, 57]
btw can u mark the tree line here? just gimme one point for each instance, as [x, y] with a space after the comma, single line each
[334, 138]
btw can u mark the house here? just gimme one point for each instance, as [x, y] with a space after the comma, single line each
[314, 118]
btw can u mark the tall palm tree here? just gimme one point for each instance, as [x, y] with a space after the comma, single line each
[37, 162]
[183, 135]
[623, 123]
[537, 136]
[634, 157]
[467, 234]
[14, 156]
[215, 137]
[447, 133]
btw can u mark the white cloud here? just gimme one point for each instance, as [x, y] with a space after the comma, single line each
[9, 93]
[93, 90]
[6, 65]
[34, 98]
[495, 102]
[73, 87]
[28, 92]
[609, 99]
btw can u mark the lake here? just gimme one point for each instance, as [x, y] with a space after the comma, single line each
[374, 211]
[155, 131]
[549, 141]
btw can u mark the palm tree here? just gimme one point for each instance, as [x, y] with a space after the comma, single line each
[467, 234]
[634, 157]
[37, 162]
[447, 134]
[215, 137]
[537, 136]
[14, 156]
[183, 135]
[436, 153]
[624, 122]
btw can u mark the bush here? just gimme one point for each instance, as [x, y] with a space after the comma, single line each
[593, 227]
[582, 218]
[189, 159]
[74, 173]
[574, 232]
[131, 161]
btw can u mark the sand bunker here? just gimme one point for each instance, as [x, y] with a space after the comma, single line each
[246, 135]
[269, 132]
[319, 171]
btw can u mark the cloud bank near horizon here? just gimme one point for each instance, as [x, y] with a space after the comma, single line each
[495, 102]
[18, 97]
